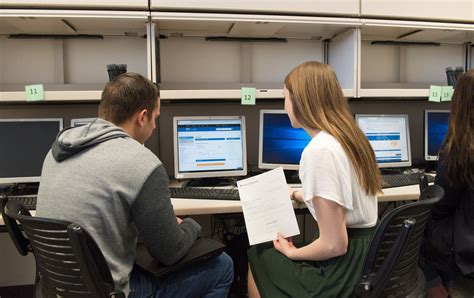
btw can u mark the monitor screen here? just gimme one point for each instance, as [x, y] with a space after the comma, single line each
[436, 127]
[209, 146]
[81, 121]
[280, 145]
[389, 137]
[23, 147]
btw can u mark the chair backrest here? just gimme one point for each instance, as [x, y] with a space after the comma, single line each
[391, 265]
[68, 261]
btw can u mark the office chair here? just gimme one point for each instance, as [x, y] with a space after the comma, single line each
[391, 265]
[68, 261]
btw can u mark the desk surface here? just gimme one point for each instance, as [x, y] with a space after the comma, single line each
[195, 207]
[200, 207]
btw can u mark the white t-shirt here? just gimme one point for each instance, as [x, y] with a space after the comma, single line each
[327, 172]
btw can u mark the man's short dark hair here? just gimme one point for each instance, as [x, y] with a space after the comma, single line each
[126, 94]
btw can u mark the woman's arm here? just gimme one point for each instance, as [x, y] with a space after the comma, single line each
[332, 241]
[447, 206]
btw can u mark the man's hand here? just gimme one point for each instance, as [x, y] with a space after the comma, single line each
[179, 220]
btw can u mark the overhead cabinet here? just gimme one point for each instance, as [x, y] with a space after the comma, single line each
[212, 56]
[452, 10]
[68, 51]
[307, 7]
[402, 59]
[73, 4]
[212, 49]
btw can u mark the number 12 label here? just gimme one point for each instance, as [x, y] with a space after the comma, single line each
[248, 96]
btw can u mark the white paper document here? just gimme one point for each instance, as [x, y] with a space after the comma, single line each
[267, 207]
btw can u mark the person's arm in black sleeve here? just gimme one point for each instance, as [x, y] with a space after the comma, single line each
[447, 205]
[165, 239]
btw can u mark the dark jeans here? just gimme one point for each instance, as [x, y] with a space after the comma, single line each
[434, 276]
[211, 278]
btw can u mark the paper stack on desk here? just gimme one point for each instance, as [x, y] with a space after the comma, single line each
[267, 207]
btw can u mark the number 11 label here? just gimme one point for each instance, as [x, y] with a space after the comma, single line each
[34, 92]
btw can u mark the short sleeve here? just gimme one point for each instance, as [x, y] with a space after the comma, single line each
[326, 175]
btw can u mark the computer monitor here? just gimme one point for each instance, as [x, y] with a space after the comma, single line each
[389, 137]
[24, 144]
[81, 121]
[436, 127]
[280, 145]
[209, 146]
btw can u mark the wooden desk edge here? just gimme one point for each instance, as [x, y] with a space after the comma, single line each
[203, 207]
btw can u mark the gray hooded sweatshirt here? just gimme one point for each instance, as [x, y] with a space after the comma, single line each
[97, 176]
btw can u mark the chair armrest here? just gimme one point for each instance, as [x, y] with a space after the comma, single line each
[22, 243]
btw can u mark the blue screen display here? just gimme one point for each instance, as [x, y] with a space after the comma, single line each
[282, 144]
[437, 127]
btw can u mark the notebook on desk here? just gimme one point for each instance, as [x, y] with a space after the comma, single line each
[202, 250]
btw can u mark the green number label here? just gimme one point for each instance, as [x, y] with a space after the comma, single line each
[248, 96]
[435, 93]
[34, 92]
[447, 93]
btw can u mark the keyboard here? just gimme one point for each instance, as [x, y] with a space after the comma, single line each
[29, 201]
[205, 193]
[394, 180]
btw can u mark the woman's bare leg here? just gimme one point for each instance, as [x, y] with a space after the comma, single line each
[252, 286]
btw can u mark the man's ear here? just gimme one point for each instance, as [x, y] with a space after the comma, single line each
[142, 117]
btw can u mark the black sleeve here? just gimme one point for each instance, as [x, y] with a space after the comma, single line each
[165, 240]
[446, 207]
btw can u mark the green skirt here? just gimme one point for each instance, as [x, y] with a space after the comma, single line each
[278, 276]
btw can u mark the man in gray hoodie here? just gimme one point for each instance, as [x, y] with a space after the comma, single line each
[101, 177]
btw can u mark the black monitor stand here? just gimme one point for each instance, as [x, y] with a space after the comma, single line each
[210, 182]
[392, 171]
[404, 170]
[430, 166]
[292, 177]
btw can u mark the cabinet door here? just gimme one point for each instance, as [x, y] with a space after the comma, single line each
[453, 10]
[122, 4]
[316, 7]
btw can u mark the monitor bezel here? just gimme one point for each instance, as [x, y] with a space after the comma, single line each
[79, 120]
[28, 179]
[425, 132]
[269, 166]
[397, 164]
[209, 174]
